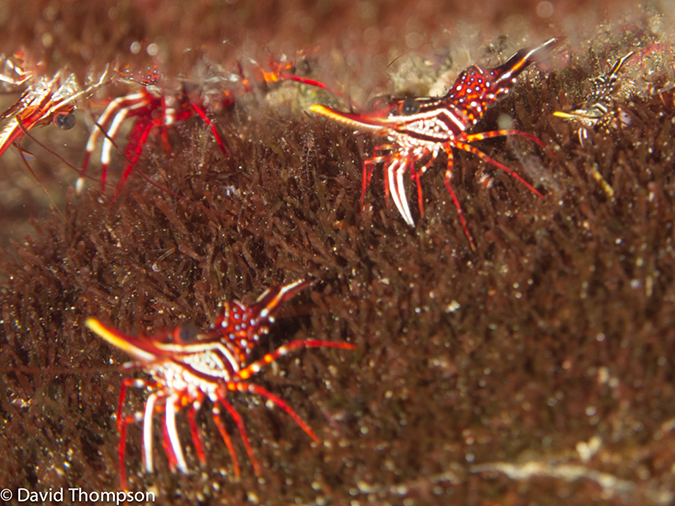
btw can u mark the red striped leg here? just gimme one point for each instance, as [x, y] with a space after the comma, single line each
[121, 447]
[146, 129]
[369, 165]
[447, 178]
[474, 151]
[256, 366]
[416, 175]
[226, 438]
[242, 386]
[194, 430]
[500, 133]
[242, 432]
[212, 126]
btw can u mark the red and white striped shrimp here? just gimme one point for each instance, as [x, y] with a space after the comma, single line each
[153, 108]
[44, 100]
[187, 368]
[419, 129]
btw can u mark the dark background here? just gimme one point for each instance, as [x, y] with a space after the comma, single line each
[535, 370]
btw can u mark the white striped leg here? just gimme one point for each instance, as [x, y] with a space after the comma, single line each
[147, 431]
[400, 187]
[397, 188]
[120, 108]
[106, 149]
[173, 433]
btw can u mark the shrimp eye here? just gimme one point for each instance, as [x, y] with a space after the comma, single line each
[64, 120]
[186, 333]
[409, 106]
